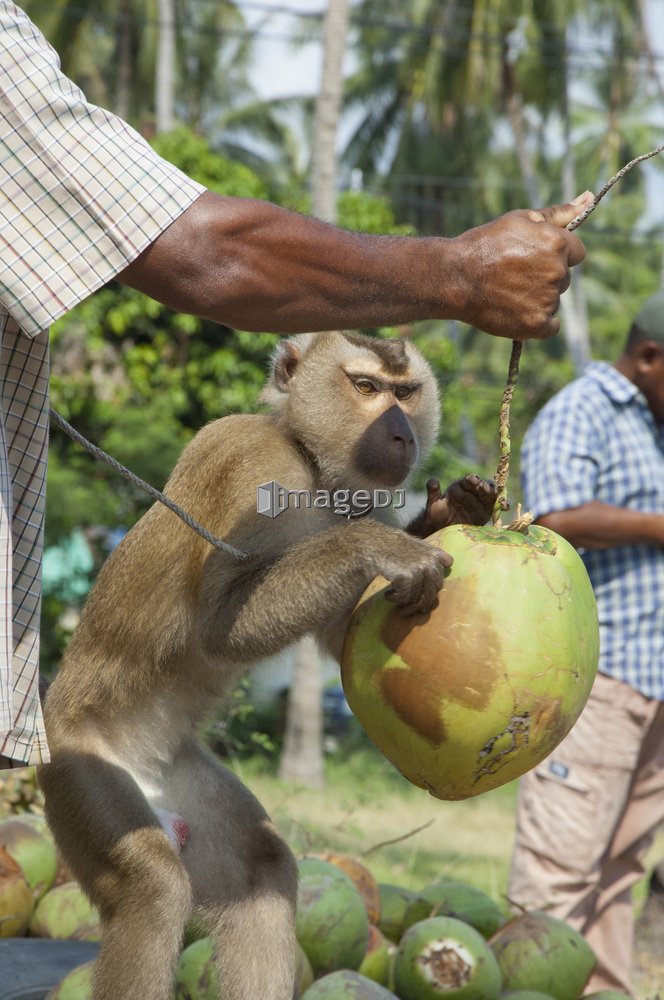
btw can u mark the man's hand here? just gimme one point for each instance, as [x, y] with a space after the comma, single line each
[467, 501]
[518, 267]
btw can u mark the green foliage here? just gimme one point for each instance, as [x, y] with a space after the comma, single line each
[193, 155]
[56, 633]
[366, 213]
[139, 379]
[239, 730]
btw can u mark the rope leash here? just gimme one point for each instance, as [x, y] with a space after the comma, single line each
[96, 452]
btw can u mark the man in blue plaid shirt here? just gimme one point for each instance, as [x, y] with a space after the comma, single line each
[593, 471]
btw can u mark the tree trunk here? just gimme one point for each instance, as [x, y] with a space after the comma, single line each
[328, 110]
[302, 756]
[123, 50]
[165, 74]
[573, 308]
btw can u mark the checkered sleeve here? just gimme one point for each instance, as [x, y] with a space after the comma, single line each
[81, 193]
[561, 454]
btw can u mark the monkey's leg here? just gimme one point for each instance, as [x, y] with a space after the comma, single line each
[243, 877]
[121, 855]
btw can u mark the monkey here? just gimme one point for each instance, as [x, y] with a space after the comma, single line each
[152, 825]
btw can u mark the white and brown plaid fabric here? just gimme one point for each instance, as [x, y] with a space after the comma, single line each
[81, 195]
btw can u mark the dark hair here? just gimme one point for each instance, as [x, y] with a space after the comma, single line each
[637, 336]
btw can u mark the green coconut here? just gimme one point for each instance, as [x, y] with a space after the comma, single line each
[34, 850]
[376, 962]
[536, 951]
[77, 984]
[487, 684]
[196, 973]
[16, 898]
[346, 985]
[525, 995]
[65, 913]
[394, 900]
[304, 974]
[35, 820]
[360, 875]
[456, 899]
[331, 923]
[445, 959]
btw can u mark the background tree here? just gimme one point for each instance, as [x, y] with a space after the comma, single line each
[112, 51]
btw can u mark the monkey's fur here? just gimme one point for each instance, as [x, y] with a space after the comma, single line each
[171, 624]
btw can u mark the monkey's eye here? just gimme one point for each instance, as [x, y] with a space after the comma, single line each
[365, 386]
[403, 391]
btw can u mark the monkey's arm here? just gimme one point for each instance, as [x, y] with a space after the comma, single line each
[252, 612]
[466, 501]
[254, 266]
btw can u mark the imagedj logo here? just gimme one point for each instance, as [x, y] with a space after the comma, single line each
[274, 499]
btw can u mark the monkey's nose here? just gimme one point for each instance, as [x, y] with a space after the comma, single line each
[406, 445]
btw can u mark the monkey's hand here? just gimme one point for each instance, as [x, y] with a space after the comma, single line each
[466, 501]
[416, 571]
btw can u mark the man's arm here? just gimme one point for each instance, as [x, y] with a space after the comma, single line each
[254, 266]
[598, 525]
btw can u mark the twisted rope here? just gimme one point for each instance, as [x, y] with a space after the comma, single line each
[150, 490]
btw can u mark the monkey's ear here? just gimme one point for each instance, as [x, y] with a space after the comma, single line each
[287, 359]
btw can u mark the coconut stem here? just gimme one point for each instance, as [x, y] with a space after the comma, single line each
[504, 432]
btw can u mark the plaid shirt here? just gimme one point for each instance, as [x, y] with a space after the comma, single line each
[598, 440]
[81, 195]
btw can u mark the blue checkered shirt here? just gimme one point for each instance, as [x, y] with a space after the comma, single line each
[597, 440]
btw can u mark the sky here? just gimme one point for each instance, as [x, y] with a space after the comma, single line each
[279, 70]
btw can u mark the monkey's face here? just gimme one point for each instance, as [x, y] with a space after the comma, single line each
[386, 450]
[365, 408]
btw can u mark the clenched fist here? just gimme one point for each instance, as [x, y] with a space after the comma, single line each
[516, 269]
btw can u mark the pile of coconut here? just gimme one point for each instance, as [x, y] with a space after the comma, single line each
[357, 939]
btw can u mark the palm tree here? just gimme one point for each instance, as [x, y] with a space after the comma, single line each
[435, 84]
[328, 110]
[441, 87]
[165, 69]
[136, 57]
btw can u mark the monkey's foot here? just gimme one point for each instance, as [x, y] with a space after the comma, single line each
[176, 828]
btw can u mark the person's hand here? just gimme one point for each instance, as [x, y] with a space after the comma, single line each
[518, 267]
[466, 501]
